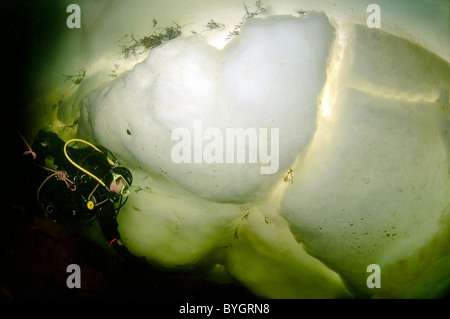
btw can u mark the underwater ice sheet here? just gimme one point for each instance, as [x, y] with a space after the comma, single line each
[360, 155]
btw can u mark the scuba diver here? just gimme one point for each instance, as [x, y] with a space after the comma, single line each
[82, 185]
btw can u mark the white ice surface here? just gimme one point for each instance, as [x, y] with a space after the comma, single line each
[370, 176]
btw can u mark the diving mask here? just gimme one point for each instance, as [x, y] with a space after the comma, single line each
[119, 185]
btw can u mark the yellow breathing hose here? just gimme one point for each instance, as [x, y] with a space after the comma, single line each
[78, 166]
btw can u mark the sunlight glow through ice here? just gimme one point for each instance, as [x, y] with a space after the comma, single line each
[364, 144]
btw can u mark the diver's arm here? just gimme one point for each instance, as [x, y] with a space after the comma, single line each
[47, 144]
[109, 225]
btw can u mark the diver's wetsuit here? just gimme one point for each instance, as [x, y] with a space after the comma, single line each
[86, 200]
